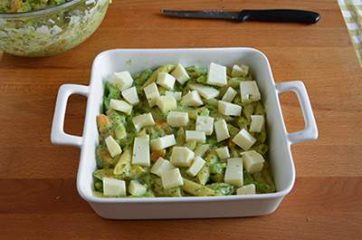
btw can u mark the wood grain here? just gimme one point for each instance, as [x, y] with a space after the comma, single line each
[38, 198]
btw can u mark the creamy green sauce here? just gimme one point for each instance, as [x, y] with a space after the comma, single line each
[211, 178]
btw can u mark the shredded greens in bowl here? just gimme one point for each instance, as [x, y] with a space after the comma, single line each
[30, 33]
[178, 131]
[16, 6]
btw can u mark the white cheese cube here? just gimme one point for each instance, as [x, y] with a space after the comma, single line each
[221, 130]
[113, 147]
[180, 74]
[121, 106]
[166, 103]
[152, 93]
[114, 187]
[196, 166]
[195, 136]
[216, 75]
[223, 152]
[205, 91]
[244, 140]
[234, 172]
[177, 119]
[163, 142]
[136, 189]
[160, 166]
[205, 124]
[192, 99]
[181, 156]
[131, 95]
[253, 161]
[172, 178]
[122, 80]
[176, 95]
[246, 189]
[239, 71]
[229, 95]
[166, 80]
[143, 120]
[141, 151]
[249, 91]
[201, 150]
[229, 109]
[257, 123]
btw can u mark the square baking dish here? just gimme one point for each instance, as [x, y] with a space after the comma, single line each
[135, 60]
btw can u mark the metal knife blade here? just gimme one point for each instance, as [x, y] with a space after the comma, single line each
[216, 14]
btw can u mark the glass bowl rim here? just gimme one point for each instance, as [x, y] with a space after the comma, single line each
[40, 12]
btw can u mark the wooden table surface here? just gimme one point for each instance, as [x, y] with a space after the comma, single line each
[38, 197]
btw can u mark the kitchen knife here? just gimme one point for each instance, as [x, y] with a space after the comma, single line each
[270, 15]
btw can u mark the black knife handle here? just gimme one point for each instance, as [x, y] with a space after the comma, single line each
[280, 15]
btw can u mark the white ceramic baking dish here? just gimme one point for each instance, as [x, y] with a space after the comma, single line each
[136, 60]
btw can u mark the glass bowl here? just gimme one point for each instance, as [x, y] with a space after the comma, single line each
[52, 30]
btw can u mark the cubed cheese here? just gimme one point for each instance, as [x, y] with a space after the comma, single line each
[172, 178]
[202, 149]
[223, 152]
[160, 166]
[197, 164]
[166, 80]
[136, 189]
[229, 109]
[176, 95]
[205, 124]
[114, 187]
[131, 96]
[257, 123]
[195, 136]
[246, 189]
[229, 95]
[122, 80]
[205, 91]
[152, 93]
[166, 103]
[216, 75]
[249, 91]
[253, 161]
[163, 142]
[239, 71]
[113, 147]
[192, 99]
[234, 172]
[221, 130]
[181, 156]
[243, 139]
[177, 119]
[143, 120]
[121, 106]
[180, 74]
[141, 151]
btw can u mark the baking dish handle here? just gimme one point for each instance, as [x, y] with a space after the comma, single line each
[58, 136]
[310, 132]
